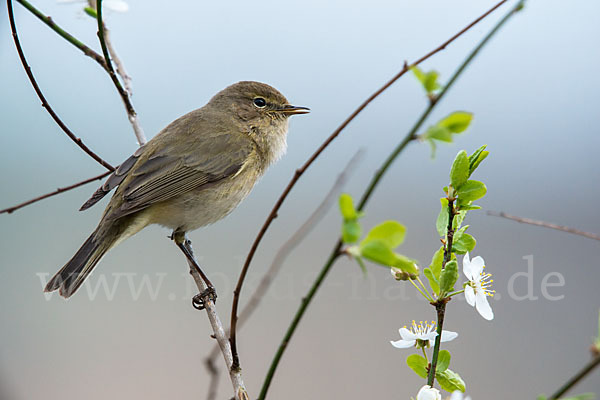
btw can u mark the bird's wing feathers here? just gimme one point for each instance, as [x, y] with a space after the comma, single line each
[113, 180]
[164, 175]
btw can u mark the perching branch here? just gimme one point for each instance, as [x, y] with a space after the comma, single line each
[545, 224]
[294, 240]
[38, 91]
[219, 333]
[125, 95]
[12, 209]
[307, 164]
[369, 191]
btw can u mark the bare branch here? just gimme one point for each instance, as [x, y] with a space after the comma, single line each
[38, 91]
[368, 193]
[103, 36]
[12, 209]
[235, 374]
[544, 224]
[308, 163]
[66, 35]
[279, 259]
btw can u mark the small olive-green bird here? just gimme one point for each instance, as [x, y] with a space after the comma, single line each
[193, 173]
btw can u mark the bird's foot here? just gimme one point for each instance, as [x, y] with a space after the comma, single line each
[199, 300]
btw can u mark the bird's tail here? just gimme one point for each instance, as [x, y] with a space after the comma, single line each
[71, 276]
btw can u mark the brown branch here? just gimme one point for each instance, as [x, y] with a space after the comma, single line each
[294, 240]
[12, 209]
[544, 224]
[304, 167]
[125, 95]
[38, 91]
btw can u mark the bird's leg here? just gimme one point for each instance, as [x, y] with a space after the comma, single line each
[185, 245]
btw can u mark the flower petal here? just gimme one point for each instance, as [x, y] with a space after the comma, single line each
[448, 336]
[483, 307]
[477, 265]
[116, 5]
[456, 395]
[428, 393]
[407, 335]
[470, 295]
[428, 336]
[403, 344]
[467, 267]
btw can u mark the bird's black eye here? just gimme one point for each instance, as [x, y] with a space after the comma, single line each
[260, 102]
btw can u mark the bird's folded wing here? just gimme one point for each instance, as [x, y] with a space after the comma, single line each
[164, 175]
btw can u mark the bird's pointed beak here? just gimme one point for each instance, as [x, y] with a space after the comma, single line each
[288, 109]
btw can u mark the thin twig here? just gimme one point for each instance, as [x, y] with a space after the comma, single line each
[366, 196]
[125, 95]
[575, 379]
[12, 209]
[38, 91]
[294, 240]
[66, 35]
[303, 168]
[544, 224]
[219, 333]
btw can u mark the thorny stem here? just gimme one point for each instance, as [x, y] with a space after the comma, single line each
[301, 170]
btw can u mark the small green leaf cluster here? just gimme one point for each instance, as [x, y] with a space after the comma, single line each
[453, 124]
[461, 193]
[449, 380]
[429, 80]
[379, 243]
[91, 12]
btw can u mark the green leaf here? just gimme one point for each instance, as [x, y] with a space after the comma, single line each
[464, 244]
[477, 157]
[471, 191]
[438, 132]
[436, 263]
[91, 12]
[442, 220]
[450, 381]
[459, 173]
[458, 219]
[457, 122]
[418, 364]
[443, 361]
[378, 252]
[351, 231]
[427, 79]
[389, 232]
[406, 264]
[468, 207]
[433, 282]
[347, 207]
[448, 277]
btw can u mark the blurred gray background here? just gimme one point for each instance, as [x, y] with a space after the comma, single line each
[534, 93]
